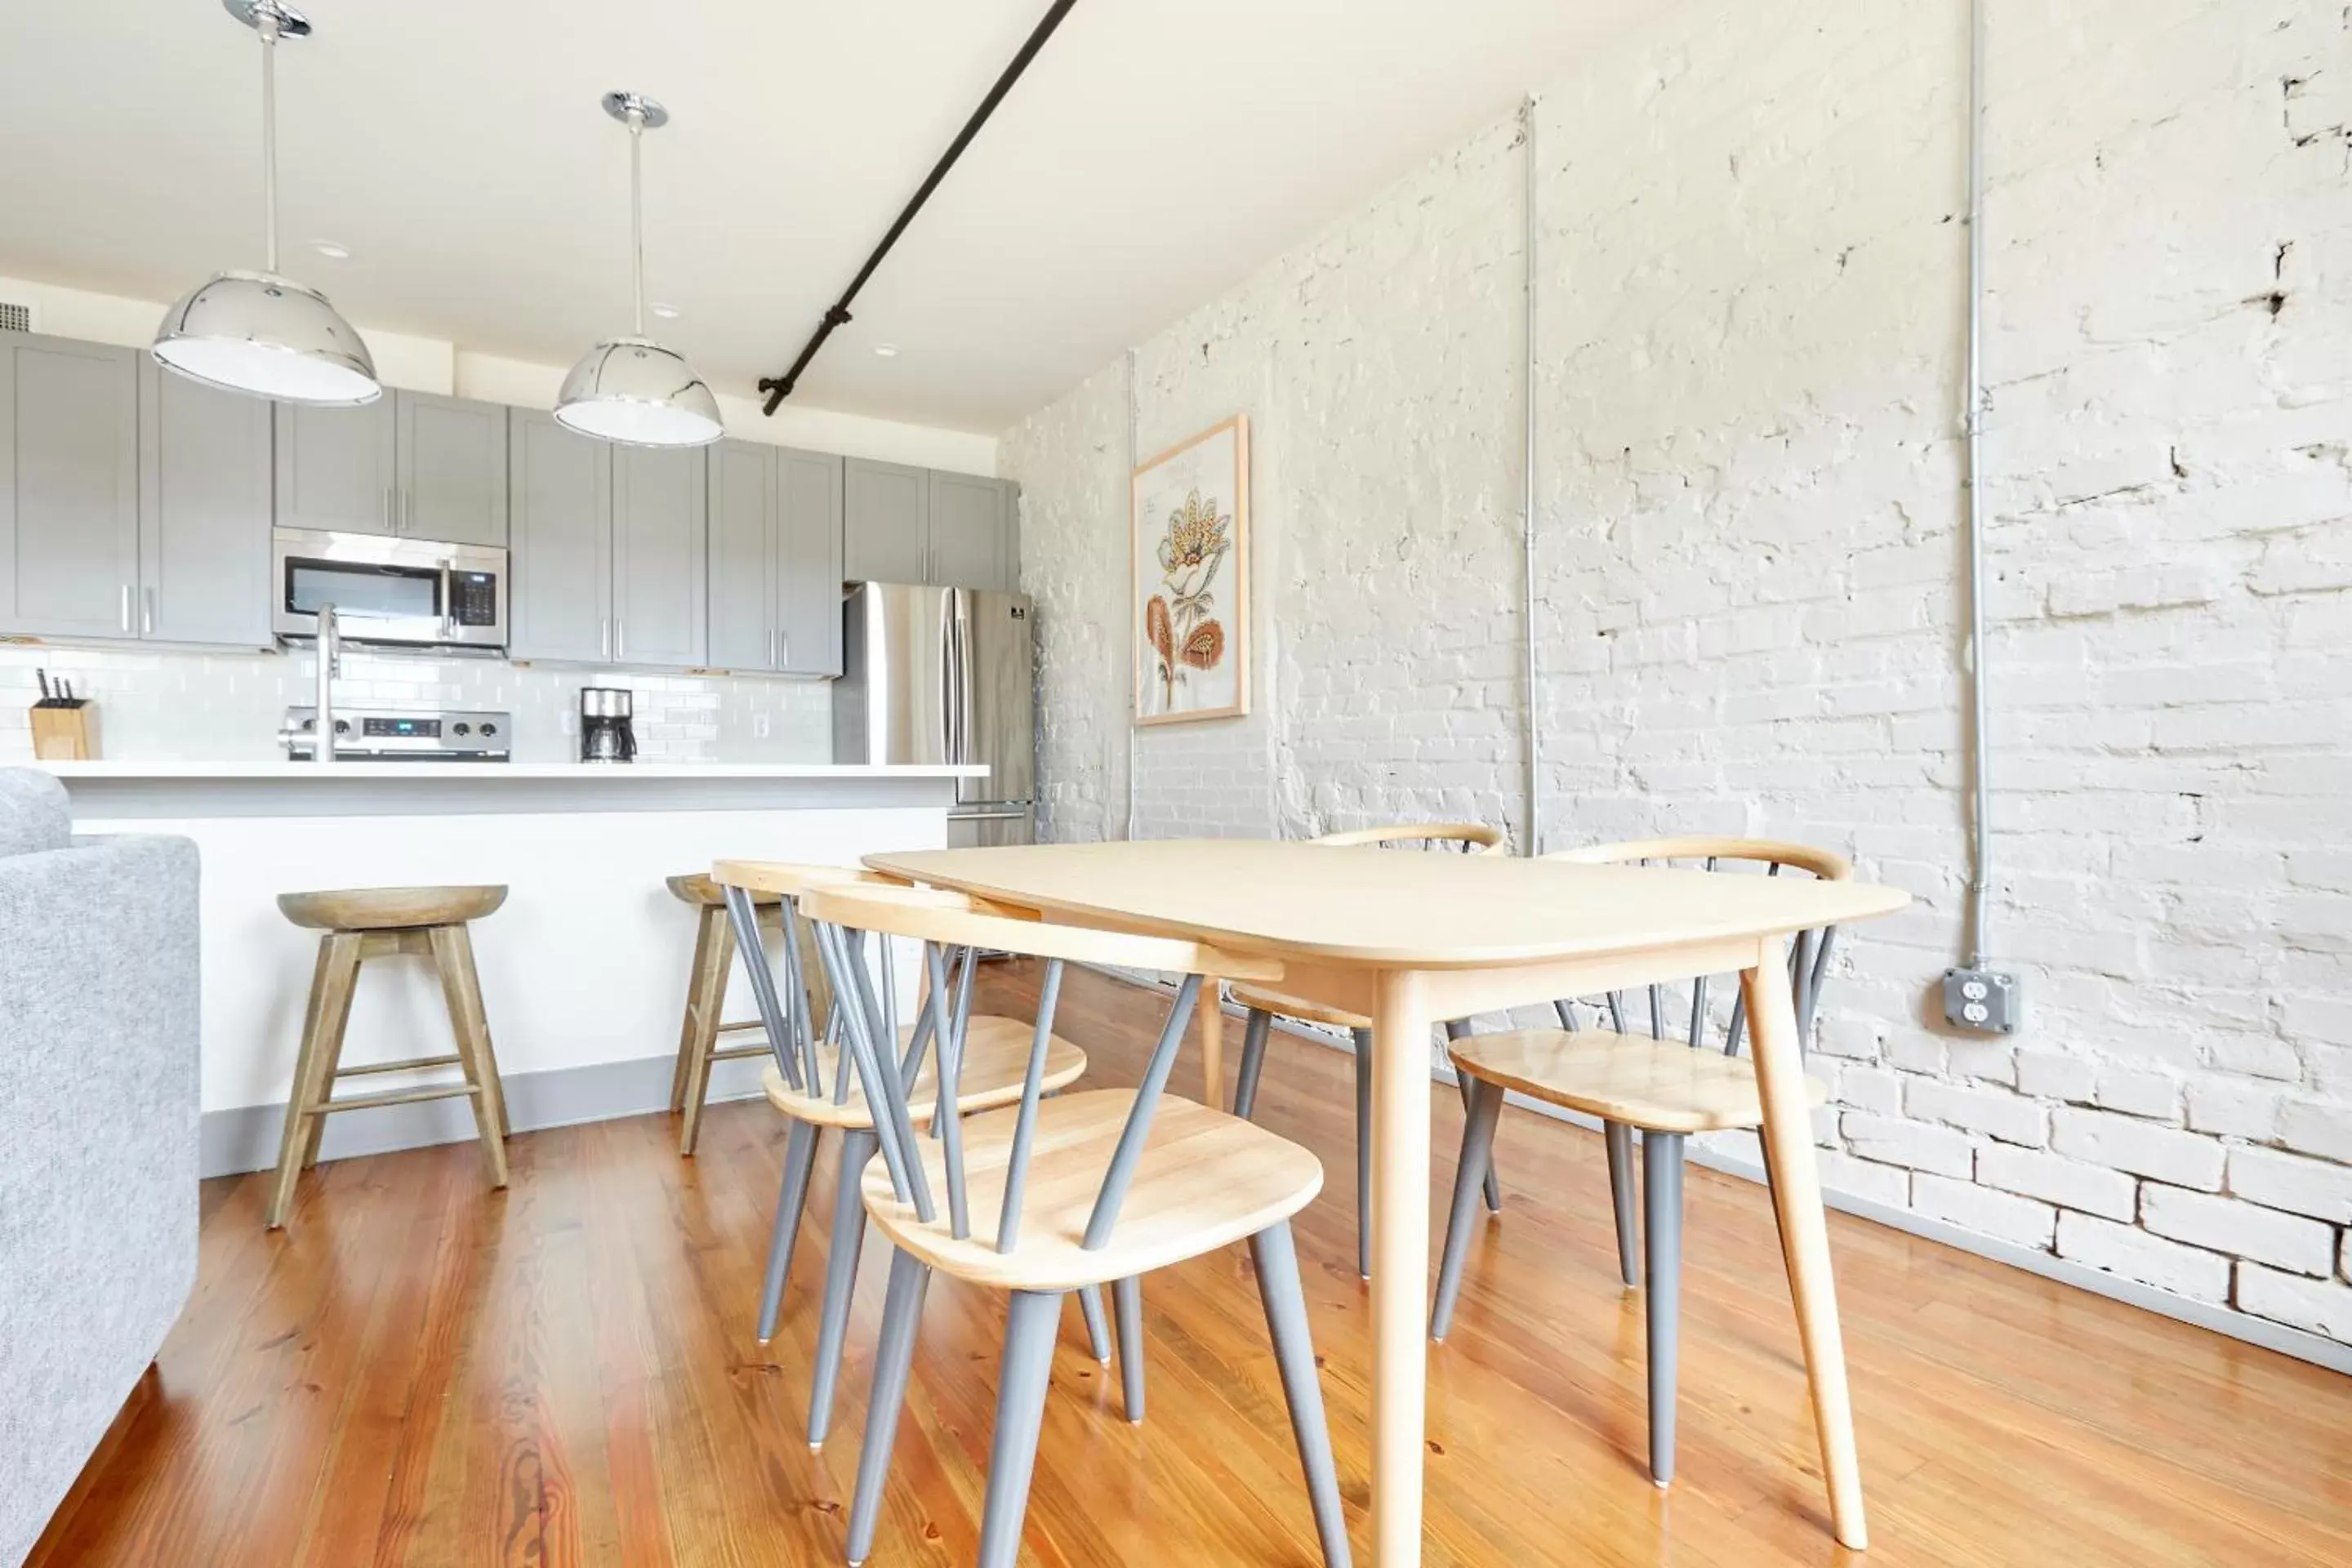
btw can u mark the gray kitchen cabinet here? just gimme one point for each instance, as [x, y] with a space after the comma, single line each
[809, 562]
[885, 521]
[972, 533]
[450, 469]
[560, 593]
[775, 559]
[68, 487]
[743, 518]
[204, 512]
[660, 556]
[338, 469]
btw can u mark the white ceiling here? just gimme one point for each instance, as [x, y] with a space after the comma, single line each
[1157, 151]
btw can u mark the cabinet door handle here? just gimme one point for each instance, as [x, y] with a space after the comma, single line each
[125, 611]
[407, 512]
[603, 638]
[783, 649]
[147, 616]
[620, 639]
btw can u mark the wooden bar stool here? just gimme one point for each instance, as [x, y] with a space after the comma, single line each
[361, 923]
[705, 998]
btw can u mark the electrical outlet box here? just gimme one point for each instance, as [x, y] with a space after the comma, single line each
[1984, 1000]
[760, 724]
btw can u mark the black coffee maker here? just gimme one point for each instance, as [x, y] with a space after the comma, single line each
[605, 735]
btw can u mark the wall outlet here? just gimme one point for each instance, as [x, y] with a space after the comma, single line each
[760, 724]
[1983, 1001]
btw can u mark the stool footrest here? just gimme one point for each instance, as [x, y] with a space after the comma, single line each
[394, 1097]
[451, 1060]
[742, 1025]
[736, 1053]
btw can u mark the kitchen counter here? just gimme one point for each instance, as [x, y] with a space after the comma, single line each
[142, 790]
[584, 971]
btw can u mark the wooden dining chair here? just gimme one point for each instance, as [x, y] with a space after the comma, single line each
[812, 1084]
[1054, 1196]
[1665, 1083]
[1263, 1003]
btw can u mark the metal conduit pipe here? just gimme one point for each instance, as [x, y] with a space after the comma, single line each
[1980, 743]
[1534, 716]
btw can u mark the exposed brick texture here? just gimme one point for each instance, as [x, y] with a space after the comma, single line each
[1748, 497]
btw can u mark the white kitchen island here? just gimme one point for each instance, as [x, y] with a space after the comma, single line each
[584, 969]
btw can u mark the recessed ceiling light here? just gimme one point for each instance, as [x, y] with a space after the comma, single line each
[330, 250]
[666, 313]
[888, 350]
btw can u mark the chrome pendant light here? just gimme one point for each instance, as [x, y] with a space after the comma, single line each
[256, 331]
[632, 390]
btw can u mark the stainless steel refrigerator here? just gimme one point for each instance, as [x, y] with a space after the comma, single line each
[944, 675]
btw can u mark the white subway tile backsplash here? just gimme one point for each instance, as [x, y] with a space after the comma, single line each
[225, 707]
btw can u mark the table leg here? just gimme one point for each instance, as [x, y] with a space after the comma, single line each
[1208, 1019]
[1400, 1220]
[1804, 1236]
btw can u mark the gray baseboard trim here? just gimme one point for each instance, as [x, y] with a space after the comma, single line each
[245, 1138]
[2242, 1326]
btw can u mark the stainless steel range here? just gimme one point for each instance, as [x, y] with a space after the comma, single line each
[400, 735]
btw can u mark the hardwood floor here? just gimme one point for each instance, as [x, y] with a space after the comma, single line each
[420, 1370]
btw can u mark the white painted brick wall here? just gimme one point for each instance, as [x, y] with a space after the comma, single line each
[2247, 1230]
[1747, 397]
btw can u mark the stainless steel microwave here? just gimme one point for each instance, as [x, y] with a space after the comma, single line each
[410, 593]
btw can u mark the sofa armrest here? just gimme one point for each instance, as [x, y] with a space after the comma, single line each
[98, 1120]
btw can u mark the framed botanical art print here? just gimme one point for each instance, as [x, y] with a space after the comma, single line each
[1189, 526]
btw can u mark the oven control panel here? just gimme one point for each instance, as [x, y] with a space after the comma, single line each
[388, 735]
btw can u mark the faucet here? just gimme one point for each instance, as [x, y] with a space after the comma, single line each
[330, 657]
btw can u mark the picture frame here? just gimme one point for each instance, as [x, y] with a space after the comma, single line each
[1188, 530]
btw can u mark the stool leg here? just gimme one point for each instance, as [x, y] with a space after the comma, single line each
[1622, 1197]
[714, 955]
[453, 955]
[339, 957]
[1662, 1197]
[685, 1025]
[332, 1025]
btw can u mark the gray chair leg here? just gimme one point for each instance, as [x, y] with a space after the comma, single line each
[1090, 1307]
[1477, 1158]
[1662, 1195]
[1458, 1029]
[1029, 1322]
[1284, 1299]
[1620, 1195]
[800, 1159]
[1363, 1038]
[1128, 1296]
[858, 1147]
[1254, 1034]
[902, 1312]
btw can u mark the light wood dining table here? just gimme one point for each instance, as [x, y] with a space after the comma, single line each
[1413, 940]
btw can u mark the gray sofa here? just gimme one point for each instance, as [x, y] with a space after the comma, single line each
[97, 1133]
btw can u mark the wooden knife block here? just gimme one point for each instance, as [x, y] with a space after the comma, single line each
[66, 734]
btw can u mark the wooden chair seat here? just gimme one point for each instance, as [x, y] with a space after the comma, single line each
[996, 1056]
[389, 909]
[1289, 1006]
[1659, 1085]
[695, 887]
[1205, 1180]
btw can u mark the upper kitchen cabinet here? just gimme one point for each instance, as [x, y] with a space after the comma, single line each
[338, 468]
[560, 593]
[69, 487]
[885, 521]
[204, 512]
[410, 463]
[912, 525]
[808, 563]
[972, 533]
[775, 559]
[660, 556]
[451, 469]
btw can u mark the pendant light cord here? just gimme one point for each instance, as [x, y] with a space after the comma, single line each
[637, 214]
[265, 22]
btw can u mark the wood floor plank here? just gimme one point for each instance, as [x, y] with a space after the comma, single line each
[421, 1371]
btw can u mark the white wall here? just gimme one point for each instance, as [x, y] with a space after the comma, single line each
[1749, 397]
[436, 364]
